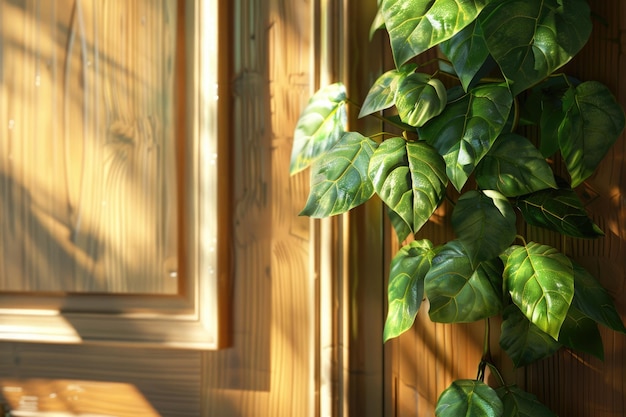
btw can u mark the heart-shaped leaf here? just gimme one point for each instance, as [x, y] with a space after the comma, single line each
[593, 121]
[560, 210]
[485, 223]
[417, 25]
[321, 124]
[457, 292]
[382, 94]
[519, 403]
[467, 397]
[465, 131]
[581, 333]
[468, 52]
[514, 167]
[531, 39]
[524, 342]
[593, 300]
[420, 98]
[540, 280]
[339, 180]
[409, 177]
[406, 286]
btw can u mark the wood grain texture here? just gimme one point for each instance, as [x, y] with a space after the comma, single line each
[88, 140]
[269, 370]
[574, 384]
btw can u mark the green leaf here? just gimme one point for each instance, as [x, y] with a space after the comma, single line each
[321, 124]
[382, 94]
[468, 52]
[560, 210]
[551, 94]
[409, 177]
[485, 223]
[581, 333]
[540, 280]
[514, 167]
[420, 98]
[417, 25]
[524, 342]
[457, 292]
[377, 23]
[519, 403]
[470, 398]
[592, 123]
[531, 39]
[593, 300]
[402, 229]
[339, 181]
[467, 129]
[406, 286]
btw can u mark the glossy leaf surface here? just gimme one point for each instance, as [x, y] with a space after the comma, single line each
[460, 293]
[382, 94]
[417, 25]
[468, 52]
[592, 123]
[321, 124]
[470, 398]
[560, 210]
[465, 131]
[406, 286]
[420, 98]
[522, 341]
[410, 178]
[519, 403]
[485, 223]
[531, 39]
[540, 280]
[339, 180]
[514, 167]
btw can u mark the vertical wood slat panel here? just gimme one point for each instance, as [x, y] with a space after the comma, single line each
[426, 359]
[576, 384]
[268, 370]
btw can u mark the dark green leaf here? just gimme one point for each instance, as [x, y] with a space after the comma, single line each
[409, 177]
[339, 180]
[540, 280]
[593, 300]
[560, 210]
[593, 122]
[519, 403]
[581, 333]
[457, 292]
[417, 25]
[524, 342]
[514, 167]
[485, 223]
[402, 229]
[470, 398]
[467, 50]
[420, 98]
[531, 39]
[321, 124]
[467, 129]
[406, 286]
[377, 23]
[382, 94]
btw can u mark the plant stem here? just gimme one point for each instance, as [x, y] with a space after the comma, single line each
[376, 115]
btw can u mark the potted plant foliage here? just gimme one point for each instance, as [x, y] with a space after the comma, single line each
[461, 139]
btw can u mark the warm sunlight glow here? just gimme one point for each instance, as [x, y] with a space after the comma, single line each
[61, 398]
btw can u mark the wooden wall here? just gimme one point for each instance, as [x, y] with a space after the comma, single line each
[425, 360]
